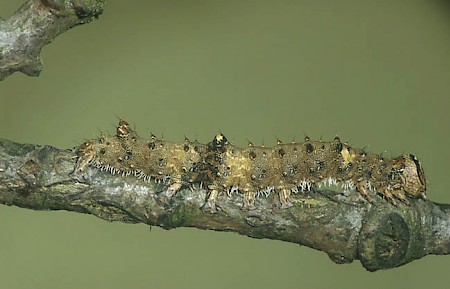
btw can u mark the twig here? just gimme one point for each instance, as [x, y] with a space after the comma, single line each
[347, 228]
[36, 24]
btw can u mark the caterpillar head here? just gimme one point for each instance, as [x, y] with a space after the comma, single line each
[408, 171]
[414, 177]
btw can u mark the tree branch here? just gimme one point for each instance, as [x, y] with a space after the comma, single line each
[347, 228]
[36, 24]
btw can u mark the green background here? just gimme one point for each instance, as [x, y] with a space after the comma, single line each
[375, 72]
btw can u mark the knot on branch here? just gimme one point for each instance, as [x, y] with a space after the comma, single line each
[81, 8]
[391, 239]
[384, 242]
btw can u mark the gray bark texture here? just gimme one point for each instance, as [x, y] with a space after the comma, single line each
[36, 24]
[346, 227]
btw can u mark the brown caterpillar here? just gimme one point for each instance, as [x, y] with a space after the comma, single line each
[253, 171]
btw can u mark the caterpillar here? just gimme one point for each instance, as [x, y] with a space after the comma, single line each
[253, 171]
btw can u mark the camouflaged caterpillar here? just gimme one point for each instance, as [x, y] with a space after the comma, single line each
[253, 171]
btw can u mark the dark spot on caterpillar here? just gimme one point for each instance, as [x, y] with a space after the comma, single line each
[309, 148]
[186, 148]
[281, 152]
[293, 170]
[152, 145]
[345, 169]
[337, 139]
[128, 154]
[252, 154]
[307, 139]
[393, 174]
[103, 151]
[320, 165]
[196, 149]
[339, 147]
[295, 149]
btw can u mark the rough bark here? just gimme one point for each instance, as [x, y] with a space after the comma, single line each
[36, 24]
[346, 227]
